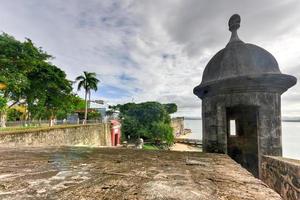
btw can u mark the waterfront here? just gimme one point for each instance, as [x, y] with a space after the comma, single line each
[290, 136]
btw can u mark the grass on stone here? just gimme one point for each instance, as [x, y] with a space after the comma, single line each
[150, 147]
[24, 129]
[19, 128]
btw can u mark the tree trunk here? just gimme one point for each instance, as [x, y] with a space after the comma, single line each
[3, 116]
[51, 122]
[86, 107]
[89, 99]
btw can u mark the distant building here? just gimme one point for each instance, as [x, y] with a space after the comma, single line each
[73, 118]
[177, 123]
[99, 106]
[241, 97]
[103, 107]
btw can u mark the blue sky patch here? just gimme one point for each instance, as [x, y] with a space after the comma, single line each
[113, 92]
[126, 78]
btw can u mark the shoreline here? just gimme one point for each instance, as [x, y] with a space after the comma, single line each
[184, 136]
[184, 147]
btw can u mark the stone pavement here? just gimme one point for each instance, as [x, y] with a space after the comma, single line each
[103, 173]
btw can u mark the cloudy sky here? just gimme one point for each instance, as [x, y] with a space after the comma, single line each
[154, 49]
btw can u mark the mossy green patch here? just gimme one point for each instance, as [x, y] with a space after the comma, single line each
[150, 147]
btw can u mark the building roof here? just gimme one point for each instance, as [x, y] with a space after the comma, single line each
[115, 122]
[88, 110]
[239, 59]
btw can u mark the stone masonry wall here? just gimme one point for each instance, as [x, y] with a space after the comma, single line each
[269, 121]
[282, 175]
[87, 135]
[178, 126]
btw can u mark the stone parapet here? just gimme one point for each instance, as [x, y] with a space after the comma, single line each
[115, 173]
[283, 175]
[76, 135]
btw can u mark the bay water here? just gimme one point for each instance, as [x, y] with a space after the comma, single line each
[290, 136]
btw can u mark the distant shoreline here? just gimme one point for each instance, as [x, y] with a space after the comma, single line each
[192, 118]
[283, 120]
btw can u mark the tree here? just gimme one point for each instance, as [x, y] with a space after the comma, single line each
[52, 91]
[96, 115]
[17, 59]
[14, 114]
[32, 80]
[162, 132]
[89, 82]
[72, 103]
[149, 120]
[171, 107]
[3, 108]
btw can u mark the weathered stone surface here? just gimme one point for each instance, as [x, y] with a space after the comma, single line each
[88, 135]
[283, 175]
[100, 173]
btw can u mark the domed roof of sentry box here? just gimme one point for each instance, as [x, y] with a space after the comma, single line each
[238, 59]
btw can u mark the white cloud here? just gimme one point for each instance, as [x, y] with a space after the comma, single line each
[153, 49]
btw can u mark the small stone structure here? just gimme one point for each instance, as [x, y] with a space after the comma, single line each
[85, 135]
[139, 143]
[177, 123]
[240, 91]
[115, 130]
[283, 175]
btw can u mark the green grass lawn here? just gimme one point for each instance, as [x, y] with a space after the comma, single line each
[8, 129]
[150, 147]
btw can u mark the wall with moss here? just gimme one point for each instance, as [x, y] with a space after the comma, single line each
[85, 135]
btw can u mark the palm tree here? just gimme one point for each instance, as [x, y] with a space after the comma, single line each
[89, 82]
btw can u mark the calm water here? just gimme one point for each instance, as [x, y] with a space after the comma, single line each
[290, 136]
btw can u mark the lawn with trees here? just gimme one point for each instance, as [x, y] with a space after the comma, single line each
[147, 120]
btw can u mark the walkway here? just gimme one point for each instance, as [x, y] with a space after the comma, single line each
[90, 173]
[184, 147]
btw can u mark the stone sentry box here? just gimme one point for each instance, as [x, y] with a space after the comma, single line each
[242, 86]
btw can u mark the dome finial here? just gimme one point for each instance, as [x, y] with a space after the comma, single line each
[234, 25]
[234, 22]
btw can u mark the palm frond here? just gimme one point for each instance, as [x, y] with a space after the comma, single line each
[88, 81]
[81, 84]
[79, 78]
